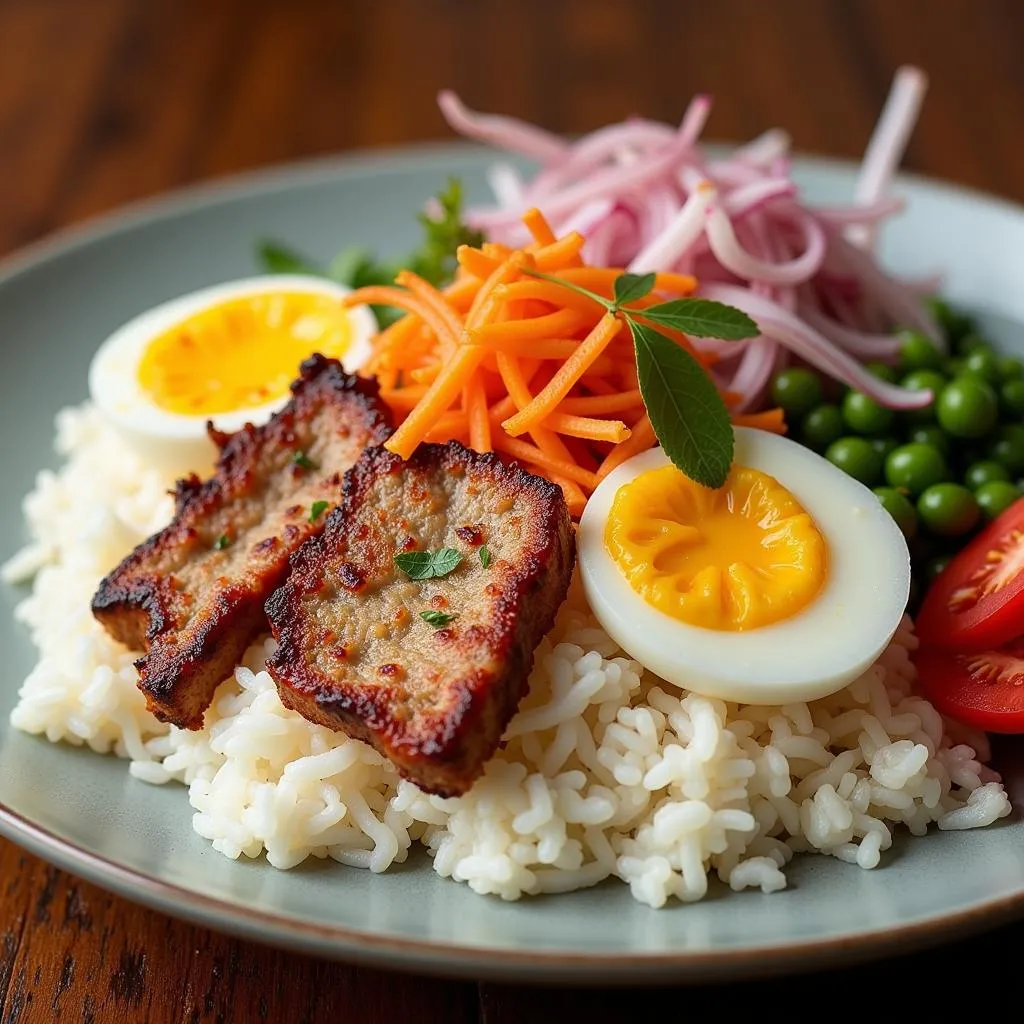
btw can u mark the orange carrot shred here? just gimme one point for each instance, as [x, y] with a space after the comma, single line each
[773, 420]
[568, 374]
[538, 226]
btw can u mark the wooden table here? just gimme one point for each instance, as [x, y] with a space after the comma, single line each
[105, 101]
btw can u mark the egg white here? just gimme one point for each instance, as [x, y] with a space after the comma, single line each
[814, 653]
[172, 441]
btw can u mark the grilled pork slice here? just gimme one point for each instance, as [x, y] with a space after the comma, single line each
[192, 595]
[428, 671]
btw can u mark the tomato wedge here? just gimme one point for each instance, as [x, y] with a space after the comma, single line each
[977, 603]
[984, 689]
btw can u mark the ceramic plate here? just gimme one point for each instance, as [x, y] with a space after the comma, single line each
[84, 812]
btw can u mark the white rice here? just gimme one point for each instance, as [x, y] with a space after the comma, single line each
[606, 770]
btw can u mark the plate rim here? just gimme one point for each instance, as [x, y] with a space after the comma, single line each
[393, 951]
[449, 959]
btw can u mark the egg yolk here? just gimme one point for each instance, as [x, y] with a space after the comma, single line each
[241, 353]
[737, 558]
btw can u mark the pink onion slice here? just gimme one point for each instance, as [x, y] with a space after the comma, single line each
[504, 132]
[806, 343]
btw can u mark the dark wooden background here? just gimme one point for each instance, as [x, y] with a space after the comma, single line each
[105, 101]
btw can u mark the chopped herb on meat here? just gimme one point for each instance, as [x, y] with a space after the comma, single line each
[438, 619]
[427, 565]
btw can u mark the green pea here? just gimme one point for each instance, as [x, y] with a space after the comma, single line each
[797, 391]
[985, 472]
[983, 363]
[883, 371]
[923, 380]
[915, 467]
[930, 433]
[972, 342]
[967, 407]
[948, 510]
[884, 445]
[953, 322]
[917, 352]
[900, 508]
[1010, 368]
[857, 458]
[822, 426]
[864, 415]
[936, 566]
[1011, 397]
[996, 497]
[1008, 447]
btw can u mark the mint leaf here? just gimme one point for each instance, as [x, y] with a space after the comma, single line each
[445, 561]
[316, 510]
[303, 461]
[417, 565]
[438, 619]
[485, 557]
[703, 318]
[222, 542]
[684, 406]
[630, 287]
[427, 565]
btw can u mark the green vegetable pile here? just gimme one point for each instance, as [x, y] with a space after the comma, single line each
[942, 472]
[357, 266]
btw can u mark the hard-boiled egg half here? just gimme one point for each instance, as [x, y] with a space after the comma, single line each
[227, 353]
[783, 585]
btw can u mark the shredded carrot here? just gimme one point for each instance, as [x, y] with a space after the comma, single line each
[503, 360]
[551, 325]
[641, 438]
[601, 405]
[602, 280]
[527, 452]
[538, 226]
[453, 376]
[772, 420]
[553, 294]
[475, 262]
[563, 253]
[587, 427]
[568, 374]
[474, 401]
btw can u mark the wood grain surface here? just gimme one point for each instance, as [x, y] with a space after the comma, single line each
[106, 101]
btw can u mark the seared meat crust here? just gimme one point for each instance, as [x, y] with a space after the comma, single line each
[354, 652]
[192, 595]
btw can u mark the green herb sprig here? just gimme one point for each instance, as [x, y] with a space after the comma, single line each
[358, 267]
[438, 619]
[685, 408]
[303, 461]
[485, 557]
[428, 565]
[316, 510]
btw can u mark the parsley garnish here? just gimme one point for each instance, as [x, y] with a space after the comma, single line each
[485, 557]
[357, 267]
[316, 510]
[426, 565]
[222, 542]
[303, 461]
[438, 619]
[686, 410]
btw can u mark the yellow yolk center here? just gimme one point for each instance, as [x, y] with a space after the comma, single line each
[737, 558]
[241, 353]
